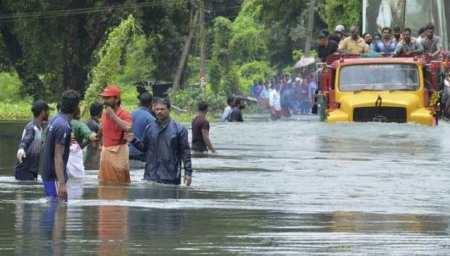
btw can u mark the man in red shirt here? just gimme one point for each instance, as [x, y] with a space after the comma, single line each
[116, 121]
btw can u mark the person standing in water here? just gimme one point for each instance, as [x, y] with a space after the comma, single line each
[201, 142]
[57, 147]
[141, 118]
[116, 122]
[28, 154]
[166, 145]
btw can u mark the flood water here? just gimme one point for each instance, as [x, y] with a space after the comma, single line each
[295, 187]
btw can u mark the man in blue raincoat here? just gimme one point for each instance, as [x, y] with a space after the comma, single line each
[166, 145]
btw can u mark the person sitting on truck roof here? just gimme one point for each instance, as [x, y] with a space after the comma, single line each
[408, 45]
[432, 44]
[397, 31]
[368, 39]
[385, 45]
[338, 35]
[353, 44]
[325, 47]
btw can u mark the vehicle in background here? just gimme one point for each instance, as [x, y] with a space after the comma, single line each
[381, 89]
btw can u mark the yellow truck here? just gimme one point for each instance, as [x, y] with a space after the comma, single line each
[380, 89]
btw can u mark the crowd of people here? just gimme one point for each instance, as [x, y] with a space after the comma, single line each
[148, 134]
[286, 95]
[391, 42]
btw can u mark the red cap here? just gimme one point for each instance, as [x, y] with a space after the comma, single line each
[110, 91]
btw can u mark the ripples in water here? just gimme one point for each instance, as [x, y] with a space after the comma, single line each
[295, 187]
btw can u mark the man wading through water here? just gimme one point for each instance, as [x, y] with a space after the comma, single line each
[200, 131]
[116, 122]
[57, 147]
[166, 146]
[28, 153]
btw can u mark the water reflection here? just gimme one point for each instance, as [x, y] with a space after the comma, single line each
[53, 226]
[112, 225]
[162, 224]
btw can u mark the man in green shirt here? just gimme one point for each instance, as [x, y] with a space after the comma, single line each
[82, 136]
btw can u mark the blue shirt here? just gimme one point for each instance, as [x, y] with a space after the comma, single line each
[58, 132]
[141, 118]
[379, 46]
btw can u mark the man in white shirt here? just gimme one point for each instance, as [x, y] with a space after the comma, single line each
[274, 102]
[227, 111]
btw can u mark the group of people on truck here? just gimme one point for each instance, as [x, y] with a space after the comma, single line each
[401, 44]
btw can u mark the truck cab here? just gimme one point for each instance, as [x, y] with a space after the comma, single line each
[379, 89]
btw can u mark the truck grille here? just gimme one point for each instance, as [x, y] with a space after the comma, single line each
[381, 114]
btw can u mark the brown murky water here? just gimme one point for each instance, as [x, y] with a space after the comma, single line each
[296, 187]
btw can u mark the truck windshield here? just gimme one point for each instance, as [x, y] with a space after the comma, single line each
[379, 77]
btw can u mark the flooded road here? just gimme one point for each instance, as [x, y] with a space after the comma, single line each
[295, 187]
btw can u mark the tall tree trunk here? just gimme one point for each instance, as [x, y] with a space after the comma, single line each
[74, 73]
[202, 38]
[187, 45]
[309, 30]
[79, 44]
[31, 82]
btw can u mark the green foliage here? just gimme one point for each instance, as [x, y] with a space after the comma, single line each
[11, 85]
[16, 110]
[128, 98]
[285, 24]
[109, 64]
[189, 98]
[214, 76]
[222, 33]
[290, 70]
[167, 23]
[231, 83]
[254, 71]
[221, 53]
[248, 39]
[335, 12]
[220, 63]
[297, 54]
[138, 65]
[192, 71]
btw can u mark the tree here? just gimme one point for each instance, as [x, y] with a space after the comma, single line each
[50, 43]
[335, 12]
[186, 47]
[220, 63]
[82, 35]
[109, 58]
[248, 36]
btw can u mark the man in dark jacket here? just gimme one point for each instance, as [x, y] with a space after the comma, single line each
[166, 145]
[28, 153]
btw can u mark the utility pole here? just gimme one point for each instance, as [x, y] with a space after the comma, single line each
[309, 29]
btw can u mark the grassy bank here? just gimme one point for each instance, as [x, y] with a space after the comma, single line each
[13, 109]
[22, 111]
